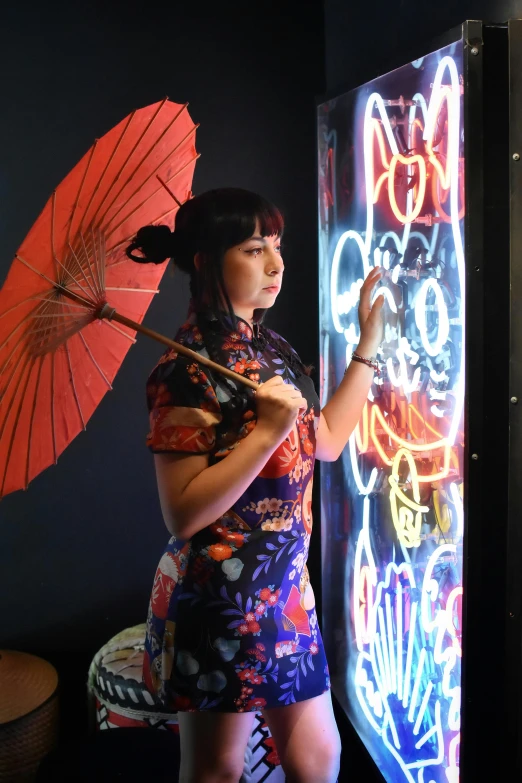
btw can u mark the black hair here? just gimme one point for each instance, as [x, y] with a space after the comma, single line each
[211, 224]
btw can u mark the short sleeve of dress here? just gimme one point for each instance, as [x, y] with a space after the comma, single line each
[183, 408]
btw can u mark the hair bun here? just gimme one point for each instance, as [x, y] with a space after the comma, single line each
[155, 242]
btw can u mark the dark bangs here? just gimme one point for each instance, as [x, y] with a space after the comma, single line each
[233, 216]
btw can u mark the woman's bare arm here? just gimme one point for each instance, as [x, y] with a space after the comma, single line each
[193, 495]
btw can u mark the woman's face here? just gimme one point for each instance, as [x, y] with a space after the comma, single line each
[253, 273]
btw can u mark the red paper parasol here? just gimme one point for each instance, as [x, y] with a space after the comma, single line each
[60, 347]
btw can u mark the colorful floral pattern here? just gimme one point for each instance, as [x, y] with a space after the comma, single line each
[232, 625]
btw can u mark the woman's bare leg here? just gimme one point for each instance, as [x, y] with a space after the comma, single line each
[213, 746]
[307, 740]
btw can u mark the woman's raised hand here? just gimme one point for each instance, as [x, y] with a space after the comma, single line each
[370, 316]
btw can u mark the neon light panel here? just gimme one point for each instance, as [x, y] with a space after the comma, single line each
[391, 194]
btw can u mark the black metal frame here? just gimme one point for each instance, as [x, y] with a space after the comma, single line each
[473, 323]
[514, 531]
[484, 748]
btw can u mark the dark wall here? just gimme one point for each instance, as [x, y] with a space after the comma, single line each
[363, 38]
[79, 549]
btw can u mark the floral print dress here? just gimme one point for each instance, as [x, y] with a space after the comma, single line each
[232, 625]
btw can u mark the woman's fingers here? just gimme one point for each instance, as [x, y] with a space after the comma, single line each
[372, 278]
[378, 304]
[275, 388]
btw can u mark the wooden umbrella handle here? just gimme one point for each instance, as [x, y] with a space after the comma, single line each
[112, 315]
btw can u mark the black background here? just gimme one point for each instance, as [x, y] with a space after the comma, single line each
[79, 549]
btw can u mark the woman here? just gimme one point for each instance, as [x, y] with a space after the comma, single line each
[232, 627]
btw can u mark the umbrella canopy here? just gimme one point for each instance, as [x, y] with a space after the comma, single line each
[58, 357]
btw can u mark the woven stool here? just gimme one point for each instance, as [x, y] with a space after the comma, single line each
[118, 698]
[28, 714]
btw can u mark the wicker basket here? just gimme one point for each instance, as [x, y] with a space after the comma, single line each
[28, 714]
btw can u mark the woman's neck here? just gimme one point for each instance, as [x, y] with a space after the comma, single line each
[246, 314]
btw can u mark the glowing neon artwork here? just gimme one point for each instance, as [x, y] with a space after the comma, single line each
[392, 506]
